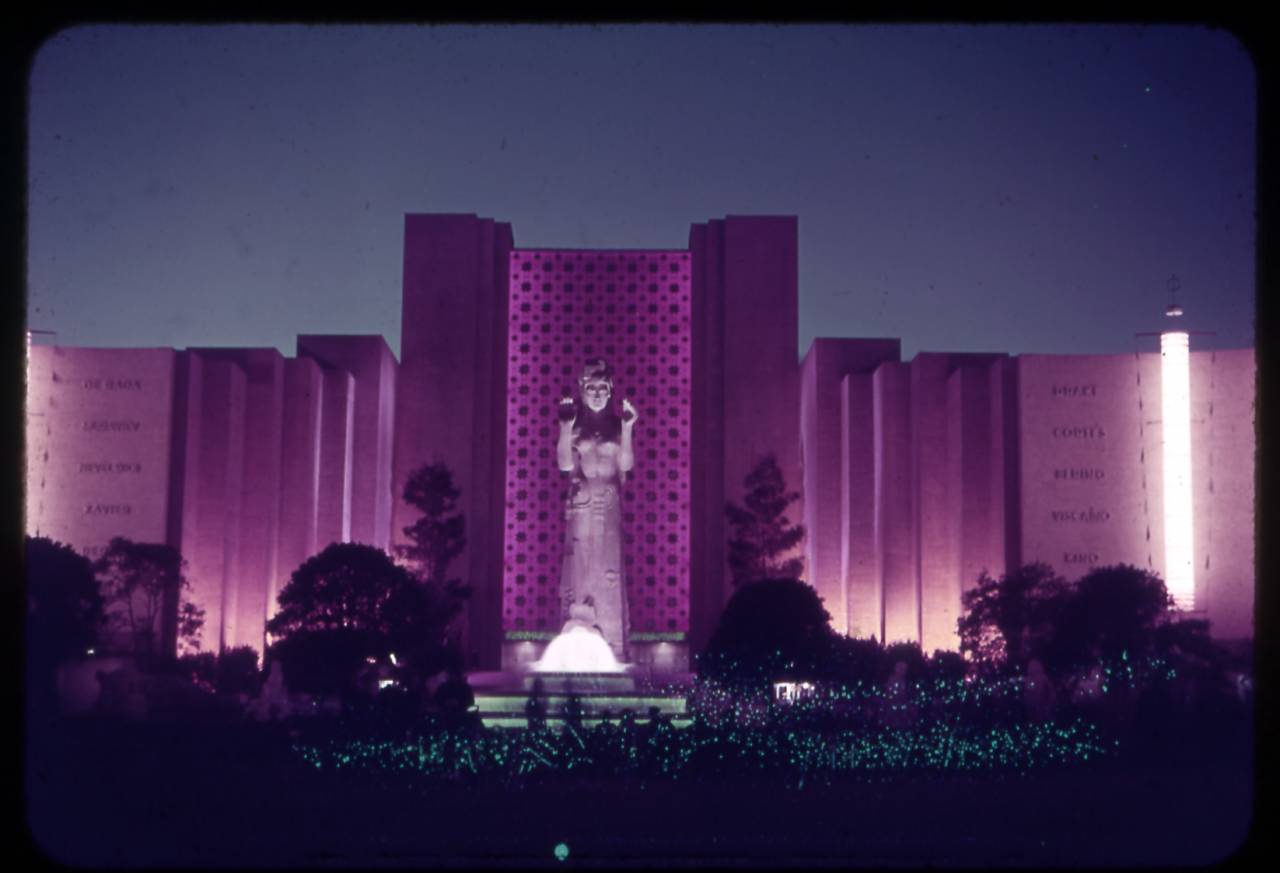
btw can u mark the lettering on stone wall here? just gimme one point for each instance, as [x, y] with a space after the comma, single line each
[1073, 390]
[1079, 557]
[112, 384]
[108, 509]
[1079, 474]
[109, 467]
[1090, 515]
[1078, 432]
[101, 426]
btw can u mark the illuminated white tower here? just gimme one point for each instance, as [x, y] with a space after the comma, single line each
[1175, 415]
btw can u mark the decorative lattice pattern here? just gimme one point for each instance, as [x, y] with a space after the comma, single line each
[632, 309]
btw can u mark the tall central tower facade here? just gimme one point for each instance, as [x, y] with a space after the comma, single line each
[704, 342]
[632, 309]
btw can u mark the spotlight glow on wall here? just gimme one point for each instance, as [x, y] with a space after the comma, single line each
[1175, 414]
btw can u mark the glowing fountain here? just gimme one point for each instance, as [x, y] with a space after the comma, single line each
[580, 658]
[578, 650]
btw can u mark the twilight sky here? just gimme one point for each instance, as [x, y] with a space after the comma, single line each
[966, 188]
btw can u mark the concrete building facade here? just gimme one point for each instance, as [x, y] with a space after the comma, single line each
[916, 476]
[241, 459]
[921, 476]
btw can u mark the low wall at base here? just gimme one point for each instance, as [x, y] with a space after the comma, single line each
[649, 657]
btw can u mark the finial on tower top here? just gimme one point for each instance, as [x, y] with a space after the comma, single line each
[1173, 310]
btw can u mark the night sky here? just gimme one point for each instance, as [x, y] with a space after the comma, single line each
[1016, 189]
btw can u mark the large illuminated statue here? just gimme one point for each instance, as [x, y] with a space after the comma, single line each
[595, 449]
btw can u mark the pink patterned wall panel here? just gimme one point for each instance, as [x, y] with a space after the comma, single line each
[632, 309]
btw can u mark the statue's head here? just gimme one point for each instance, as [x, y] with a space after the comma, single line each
[596, 385]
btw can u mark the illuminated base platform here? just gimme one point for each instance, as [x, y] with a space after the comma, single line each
[656, 657]
[579, 683]
[502, 698]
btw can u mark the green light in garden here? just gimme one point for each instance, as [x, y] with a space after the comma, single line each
[561, 851]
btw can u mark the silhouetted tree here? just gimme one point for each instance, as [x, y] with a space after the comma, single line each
[64, 605]
[1185, 645]
[1185, 642]
[231, 671]
[200, 667]
[351, 603]
[910, 654]
[439, 535]
[1109, 612]
[1007, 620]
[1116, 609]
[422, 637]
[945, 666]
[770, 628]
[857, 660]
[64, 613]
[762, 533]
[454, 698]
[143, 584]
[237, 671]
[190, 623]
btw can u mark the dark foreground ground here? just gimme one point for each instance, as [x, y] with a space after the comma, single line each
[111, 794]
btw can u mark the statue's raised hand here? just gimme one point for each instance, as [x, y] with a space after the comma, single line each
[567, 412]
[629, 414]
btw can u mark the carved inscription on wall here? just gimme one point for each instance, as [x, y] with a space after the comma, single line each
[110, 467]
[98, 425]
[1079, 474]
[1078, 432]
[99, 444]
[108, 509]
[1077, 481]
[1090, 515]
[111, 384]
[1086, 464]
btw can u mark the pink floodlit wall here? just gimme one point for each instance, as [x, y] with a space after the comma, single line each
[450, 400]
[631, 308]
[936, 528]
[214, 471]
[976, 469]
[827, 463]
[337, 428]
[99, 431]
[951, 468]
[1090, 480]
[1223, 452]
[863, 592]
[256, 579]
[904, 485]
[746, 383]
[299, 467]
[1092, 471]
[894, 519]
[369, 360]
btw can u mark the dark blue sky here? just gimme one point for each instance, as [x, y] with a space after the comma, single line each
[1019, 189]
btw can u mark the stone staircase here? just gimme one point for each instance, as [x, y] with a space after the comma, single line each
[501, 698]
